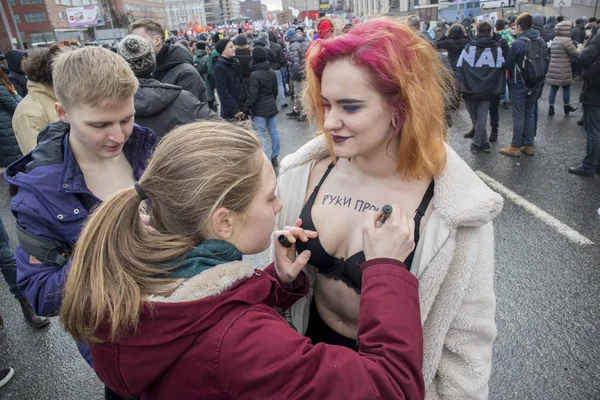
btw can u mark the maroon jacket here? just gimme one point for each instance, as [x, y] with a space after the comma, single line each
[219, 337]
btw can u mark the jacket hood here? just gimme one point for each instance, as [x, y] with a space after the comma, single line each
[484, 41]
[13, 59]
[168, 330]
[261, 43]
[563, 29]
[36, 87]
[457, 32]
[538, 21]
[172, 55]
[461, 198]
[264, 65]
[297, 38]
[530, 34]
[272, 37]
[153, 97]
[551, 20]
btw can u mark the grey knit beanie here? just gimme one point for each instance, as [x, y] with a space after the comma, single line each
[138, 53]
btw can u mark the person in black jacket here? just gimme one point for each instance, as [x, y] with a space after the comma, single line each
[229, 80]
[590, 98]
[278, 67]
[578, 32]
[480, 76]
[454, 43]
[261, 102]
[174, 62]
[243, 52]
[158, 106]
[16, 75]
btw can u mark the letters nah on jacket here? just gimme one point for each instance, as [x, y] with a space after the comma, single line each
[486, 59]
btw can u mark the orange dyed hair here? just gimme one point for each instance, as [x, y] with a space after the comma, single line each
[407, 71]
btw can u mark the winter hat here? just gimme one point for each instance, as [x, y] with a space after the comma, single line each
[263, 37]
[300, 28]
[290, 34]
[221, 44]
[138, 53]
[202, 37]
[538, 21]
[579, 21]
[240, 40]
[325, 29]
[259, 54]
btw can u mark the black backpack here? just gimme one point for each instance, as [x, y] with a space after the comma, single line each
[535, 63]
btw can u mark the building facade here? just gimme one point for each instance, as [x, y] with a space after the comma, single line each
[252, 9]
[230, 9]
[183, 13]
[40, 22]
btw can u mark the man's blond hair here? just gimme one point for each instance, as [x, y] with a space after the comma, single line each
[92, 76]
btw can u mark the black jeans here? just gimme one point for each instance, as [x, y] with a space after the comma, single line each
[494, 114]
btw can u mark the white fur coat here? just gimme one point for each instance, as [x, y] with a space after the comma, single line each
[454, 263]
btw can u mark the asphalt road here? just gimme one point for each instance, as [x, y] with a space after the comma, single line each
[547, 286]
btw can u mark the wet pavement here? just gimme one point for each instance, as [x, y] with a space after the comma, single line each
[548, 287]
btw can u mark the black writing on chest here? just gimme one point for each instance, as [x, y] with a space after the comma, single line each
[348, 202]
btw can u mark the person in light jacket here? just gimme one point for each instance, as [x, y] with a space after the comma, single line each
[172, 312]
[377, 146]
[560, 73]
[36, 111]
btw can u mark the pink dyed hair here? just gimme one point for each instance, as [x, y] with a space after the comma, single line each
[405, 70]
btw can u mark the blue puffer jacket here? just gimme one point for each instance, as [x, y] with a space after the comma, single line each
[53, 201]
[9, 148]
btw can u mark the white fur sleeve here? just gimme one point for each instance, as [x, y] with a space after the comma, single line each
[466, 362]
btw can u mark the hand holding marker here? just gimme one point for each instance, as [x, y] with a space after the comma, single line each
[287, 264]
[386, 211]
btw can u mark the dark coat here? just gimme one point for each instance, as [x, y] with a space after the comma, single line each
[278, 50]
[244, 56]
[161, 107]
[175, 66]
[16, 75]
[454, 44]
[230, 86]
[220, 337]
[297, 57]
[578, 33]
[9, 148]
[53, 202]
[262, 92]
[478, 77]
[590, 93]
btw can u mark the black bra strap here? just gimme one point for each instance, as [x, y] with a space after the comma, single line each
[420, 212]
[311, 199]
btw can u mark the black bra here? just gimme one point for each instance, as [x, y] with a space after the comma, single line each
[347, 271]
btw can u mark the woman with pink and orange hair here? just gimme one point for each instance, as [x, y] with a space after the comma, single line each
[377, 95]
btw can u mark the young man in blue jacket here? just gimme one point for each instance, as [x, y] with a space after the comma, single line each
[90, 154]
[523, 99]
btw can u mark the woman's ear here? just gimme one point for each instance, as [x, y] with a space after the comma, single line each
[395, 120]
[222, 222]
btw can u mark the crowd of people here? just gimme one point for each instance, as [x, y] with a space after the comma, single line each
[135, 202]
[513, 63]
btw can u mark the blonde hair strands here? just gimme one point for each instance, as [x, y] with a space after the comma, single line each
[195, 170]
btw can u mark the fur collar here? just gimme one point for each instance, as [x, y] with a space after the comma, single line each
[209, 283]
[461, 198]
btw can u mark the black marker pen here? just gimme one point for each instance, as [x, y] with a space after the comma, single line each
[386, 211]
[284, 241]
